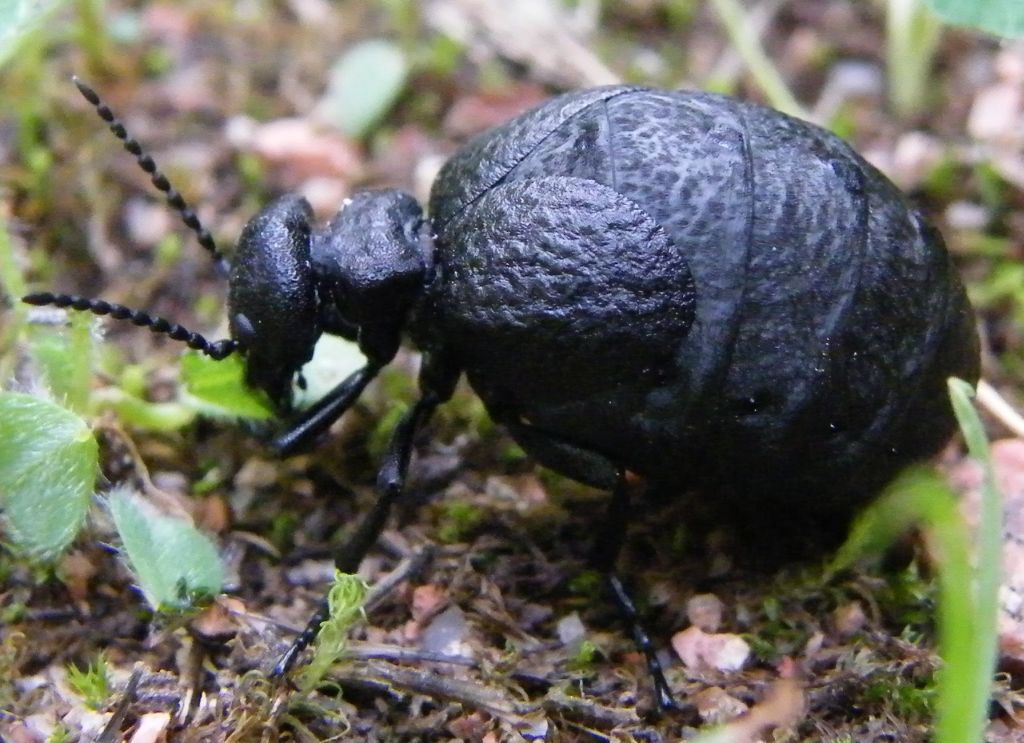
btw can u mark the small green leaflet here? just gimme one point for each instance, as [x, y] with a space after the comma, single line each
[18, 18]
[65, 359]
[48, 466]
[333, 359]
[999, 17]
[218, 388]
[364, 84]
[174, 562]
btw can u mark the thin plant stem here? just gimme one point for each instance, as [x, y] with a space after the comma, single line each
[767, 76]
[912, 34]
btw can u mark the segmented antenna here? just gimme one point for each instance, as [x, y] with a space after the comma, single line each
[174, 199]
[216, 350]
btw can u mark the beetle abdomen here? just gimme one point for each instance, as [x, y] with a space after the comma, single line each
[827, 313]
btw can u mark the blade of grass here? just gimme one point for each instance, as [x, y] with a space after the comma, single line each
[968, 595]
[957, 618]
[912, 34]
[12, 285]
[974, 681]
[741, 34]
[921, 496]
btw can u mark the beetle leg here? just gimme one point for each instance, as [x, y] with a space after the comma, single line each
[577, 463]
[390, 483]
[328, 409]
[604, 555]
[437, 383]
[595, 469]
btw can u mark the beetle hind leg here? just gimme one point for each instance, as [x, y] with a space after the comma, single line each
[603, 556]
[593, 468]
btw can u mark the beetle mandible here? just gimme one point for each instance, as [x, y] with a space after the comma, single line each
[705, 292]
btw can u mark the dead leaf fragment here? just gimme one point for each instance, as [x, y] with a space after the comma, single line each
[427, 600]
[715, 705]
[76, 570]
[849, 619]
[216, 623]
[152, 728]
[782, 707]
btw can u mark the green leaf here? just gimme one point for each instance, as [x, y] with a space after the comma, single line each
[18, 18]
[333, 359]
[139, 413]
[999, 17]
[218, 388]
[175, 563]
[364, 83]
[48, 466]
[65, 359]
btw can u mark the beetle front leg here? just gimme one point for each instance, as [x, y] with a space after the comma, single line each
[321, 415]
[437, 384]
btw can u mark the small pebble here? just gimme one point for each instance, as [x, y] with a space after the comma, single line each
[699, 650]
[704, 610]
[446, 635]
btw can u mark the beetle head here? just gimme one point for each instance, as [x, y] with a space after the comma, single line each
[287, 283]
[272, 297]
[371, 263]
[272, 293]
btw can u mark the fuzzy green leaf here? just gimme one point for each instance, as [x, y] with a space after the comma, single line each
[999, 17]
[175, 563]
[333, 359]
[64, 357]
[364, 84]
[18, 18]
[48, 466]
[218, 388]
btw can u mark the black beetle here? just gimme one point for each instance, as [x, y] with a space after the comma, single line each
[708, 293]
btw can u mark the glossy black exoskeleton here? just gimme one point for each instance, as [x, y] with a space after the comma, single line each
[708, 293]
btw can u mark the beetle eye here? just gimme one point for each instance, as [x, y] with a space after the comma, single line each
[244, 332]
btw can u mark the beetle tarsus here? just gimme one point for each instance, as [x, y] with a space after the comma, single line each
[662, 691]
[287, 660]
[390, 484]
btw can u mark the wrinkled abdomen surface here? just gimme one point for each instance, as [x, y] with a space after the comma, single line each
[811, 356]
